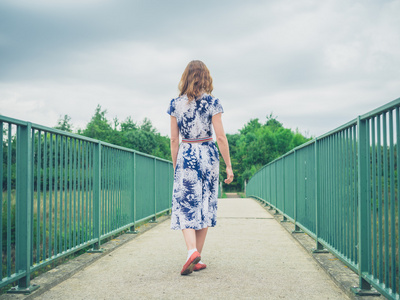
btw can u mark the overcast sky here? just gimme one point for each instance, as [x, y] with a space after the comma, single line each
[314, 64]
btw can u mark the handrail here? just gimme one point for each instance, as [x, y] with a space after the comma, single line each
[343, 189]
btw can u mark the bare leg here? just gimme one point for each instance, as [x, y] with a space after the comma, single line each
[200, 238]
[190, 238]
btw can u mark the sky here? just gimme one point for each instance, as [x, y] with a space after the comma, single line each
[314, 65]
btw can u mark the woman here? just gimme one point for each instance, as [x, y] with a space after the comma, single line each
[196, 160]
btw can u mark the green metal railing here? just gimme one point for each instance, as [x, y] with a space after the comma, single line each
[342, 189]
[62, 192]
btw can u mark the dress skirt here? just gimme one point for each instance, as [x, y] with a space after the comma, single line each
[195, 191]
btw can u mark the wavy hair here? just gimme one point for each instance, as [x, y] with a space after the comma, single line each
[196, 79]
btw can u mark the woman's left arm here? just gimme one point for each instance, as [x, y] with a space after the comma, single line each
[174, 140]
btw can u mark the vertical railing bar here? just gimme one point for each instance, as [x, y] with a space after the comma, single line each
[346, 192]
[386, 197]
[113, 155]
[81, 192]
[86, 176]
[119, 172]
[56, 195]
[334, 190]
[111, 227]
[316, 172]
[50, 195]
[18, 205]
[107, 198]
[74, 167]
[32, 191]
[392, 206]
[341, 192]
[120, 175]
[355, 196]
[61, 194]
[373, 150]
[338, 191]
[38, 193]
[70, 188]
[110, 189]
[134, 190]
[103, 189]
[66, 188]
[322, 204]
[91, 153]
[368, 194]
[9, 162]
[1, 197]
[155, 188]
[84, 168]
[331, 192]
[351, 194]
[44, 240]
[79, 189]
[379, 167]
[96, 194]
[398, 189]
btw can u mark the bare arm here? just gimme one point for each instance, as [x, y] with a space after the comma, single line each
[223, 146]
[174, 140]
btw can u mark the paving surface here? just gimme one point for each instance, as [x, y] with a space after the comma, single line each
[249, 256]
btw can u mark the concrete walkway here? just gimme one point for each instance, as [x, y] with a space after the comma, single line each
[249, 256]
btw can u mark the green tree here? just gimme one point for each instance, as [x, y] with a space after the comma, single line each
[99, 128]
[258, 144]
[64, 123]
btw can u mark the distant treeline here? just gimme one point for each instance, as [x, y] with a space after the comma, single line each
[255, 145]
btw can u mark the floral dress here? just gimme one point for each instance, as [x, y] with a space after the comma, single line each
[195, 191]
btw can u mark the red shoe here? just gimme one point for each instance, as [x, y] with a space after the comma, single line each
[199, 267]
[189, 265]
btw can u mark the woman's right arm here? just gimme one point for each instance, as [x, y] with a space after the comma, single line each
[223, 146]
[174, 140]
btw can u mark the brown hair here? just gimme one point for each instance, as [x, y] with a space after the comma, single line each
[196, 79]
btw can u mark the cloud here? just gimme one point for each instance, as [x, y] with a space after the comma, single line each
[314, 64]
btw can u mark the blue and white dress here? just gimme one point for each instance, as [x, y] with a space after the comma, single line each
[195, 192]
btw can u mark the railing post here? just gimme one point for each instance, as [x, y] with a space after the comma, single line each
[363, 209]
[132, 229]
[23, 221]
[97, 198]
[319, 247]
[284, 219]
[296, 227]
[154, 220]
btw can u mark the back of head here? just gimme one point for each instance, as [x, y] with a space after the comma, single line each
[196, 79]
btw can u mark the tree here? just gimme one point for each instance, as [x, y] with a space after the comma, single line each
[64, 124]
[98, 128]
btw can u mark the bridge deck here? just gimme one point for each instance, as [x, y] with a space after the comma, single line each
[249, 255]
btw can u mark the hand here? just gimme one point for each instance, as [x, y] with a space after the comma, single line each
[229, 175]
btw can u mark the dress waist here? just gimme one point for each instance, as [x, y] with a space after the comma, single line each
[198, 140]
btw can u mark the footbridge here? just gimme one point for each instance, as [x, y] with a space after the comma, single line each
[320, 222]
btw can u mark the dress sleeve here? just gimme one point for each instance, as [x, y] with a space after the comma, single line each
[216, 107]
[171, 108]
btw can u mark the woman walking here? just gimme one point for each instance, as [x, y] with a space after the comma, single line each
[196, 160]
